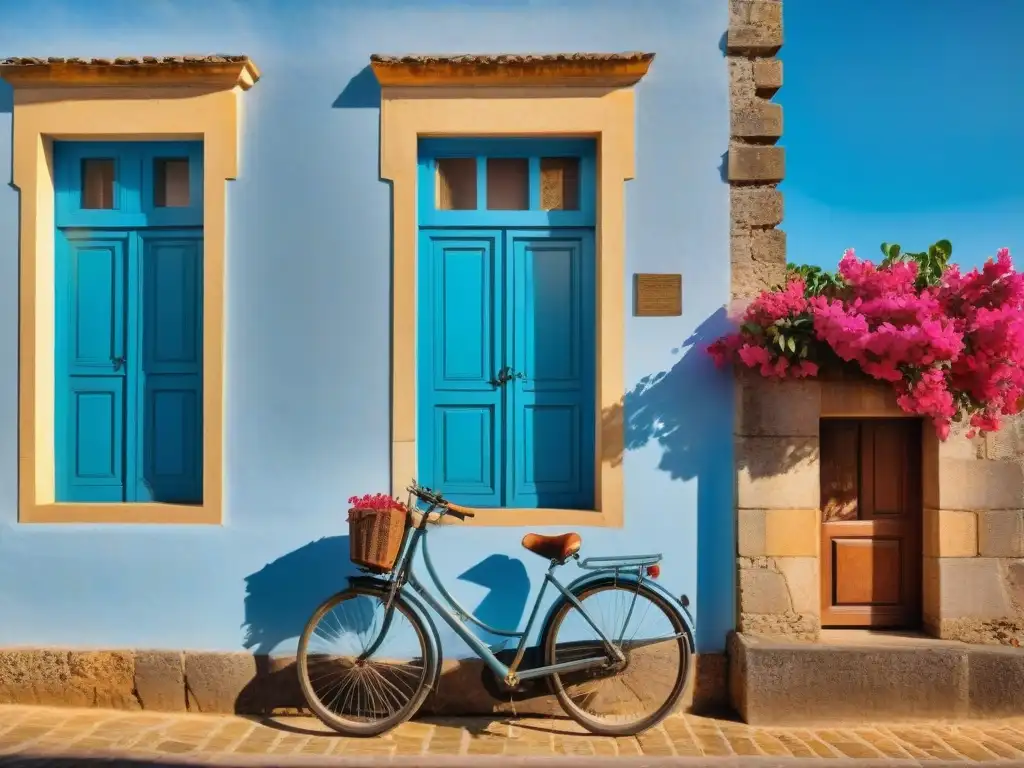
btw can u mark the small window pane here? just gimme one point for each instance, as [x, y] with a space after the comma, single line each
[170, 183]
[456, 184]
[97, 183]
[560, 183]
[508, 184]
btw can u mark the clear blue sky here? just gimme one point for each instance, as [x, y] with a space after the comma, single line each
[904, 121]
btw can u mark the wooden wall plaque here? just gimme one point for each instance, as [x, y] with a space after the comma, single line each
[657, 295]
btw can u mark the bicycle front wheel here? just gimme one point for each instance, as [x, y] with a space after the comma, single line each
[627, 697]
[364, 669]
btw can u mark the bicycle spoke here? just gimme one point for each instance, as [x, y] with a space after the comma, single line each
[351, 686]
[635, 691]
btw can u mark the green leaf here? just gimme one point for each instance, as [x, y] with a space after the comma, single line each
[781, 341]
[803, 351]
[752, 328]
[946, 247]
[791, 343]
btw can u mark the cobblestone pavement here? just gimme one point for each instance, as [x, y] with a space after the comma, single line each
[42, 736]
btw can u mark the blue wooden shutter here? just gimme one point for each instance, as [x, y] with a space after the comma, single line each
[459, 408]
[91, 375]
[169, 389]
[551, 420]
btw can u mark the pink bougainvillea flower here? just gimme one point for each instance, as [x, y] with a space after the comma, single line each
[952, 351]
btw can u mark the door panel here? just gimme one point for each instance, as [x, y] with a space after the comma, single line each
[90, 396]
[169, 373]
[551, 408]
[95, 434]
[460, 408]
[871, 522]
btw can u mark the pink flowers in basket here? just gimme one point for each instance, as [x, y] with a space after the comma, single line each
[950, 344]
[378, 502]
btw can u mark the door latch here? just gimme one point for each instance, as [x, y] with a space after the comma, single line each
[505, 375]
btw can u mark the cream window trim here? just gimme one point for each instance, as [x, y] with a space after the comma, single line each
[158, 106]
[602, 111]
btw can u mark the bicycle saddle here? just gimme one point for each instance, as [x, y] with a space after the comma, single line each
[559, 548]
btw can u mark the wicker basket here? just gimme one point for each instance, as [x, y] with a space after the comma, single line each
[375, 537]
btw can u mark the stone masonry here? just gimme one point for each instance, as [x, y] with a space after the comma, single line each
[777, 500]
[973, 526]
[238, 682]
[776, 454]
[755, 166]
[974, 537]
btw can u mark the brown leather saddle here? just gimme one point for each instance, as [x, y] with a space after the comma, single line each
[559, 548]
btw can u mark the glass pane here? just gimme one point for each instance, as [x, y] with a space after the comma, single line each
[456, 184]
[170, 183]
[560, 183]
[97, 183]
[508, 184]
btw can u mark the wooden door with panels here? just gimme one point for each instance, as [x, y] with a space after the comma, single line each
[871, 504]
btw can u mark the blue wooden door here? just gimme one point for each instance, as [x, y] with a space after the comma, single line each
[520, 302]
[129, 366]
[460, 409]
[169, 370]
[128, 333]
[550, 333]
[90, 407]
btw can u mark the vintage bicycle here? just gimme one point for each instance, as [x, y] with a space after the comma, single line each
[370, 655]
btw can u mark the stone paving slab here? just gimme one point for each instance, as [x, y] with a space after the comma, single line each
[46, 737]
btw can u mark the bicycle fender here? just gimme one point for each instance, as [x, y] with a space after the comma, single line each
[604, 577]
[416, 604]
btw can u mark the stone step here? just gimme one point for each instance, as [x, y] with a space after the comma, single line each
[775, 682]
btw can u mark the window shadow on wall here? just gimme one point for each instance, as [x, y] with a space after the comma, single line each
[686, 412]
[7, 108]
[508, 586]
[362, 92]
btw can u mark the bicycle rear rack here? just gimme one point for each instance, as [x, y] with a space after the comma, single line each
[618, 562]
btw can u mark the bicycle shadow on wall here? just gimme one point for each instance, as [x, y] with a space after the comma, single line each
[282, 595]
[279, 599]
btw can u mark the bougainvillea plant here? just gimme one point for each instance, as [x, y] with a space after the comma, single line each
[378, 501]
[951, 344]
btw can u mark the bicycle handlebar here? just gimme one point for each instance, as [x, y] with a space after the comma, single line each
[436, 499]
[460, 511]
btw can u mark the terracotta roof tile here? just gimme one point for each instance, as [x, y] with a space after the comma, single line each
[512, 69]
[124, 61]
[509, 58]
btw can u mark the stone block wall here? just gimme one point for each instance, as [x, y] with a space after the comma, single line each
[973, 526]
[974, 537]
[775, 447]
[225, 683]
[778, 525]
[755, 166]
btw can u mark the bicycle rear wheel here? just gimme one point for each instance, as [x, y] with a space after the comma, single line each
[623, 698]
[351, 689]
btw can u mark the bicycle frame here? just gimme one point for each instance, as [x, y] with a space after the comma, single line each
[456, 616]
